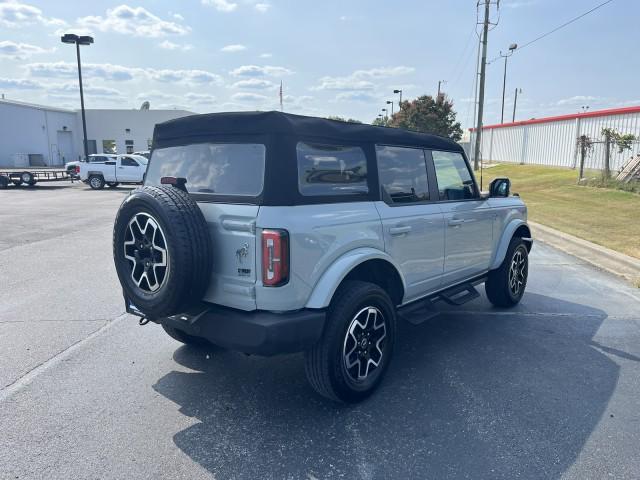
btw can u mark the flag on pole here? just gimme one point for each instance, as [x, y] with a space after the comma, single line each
[281, 109]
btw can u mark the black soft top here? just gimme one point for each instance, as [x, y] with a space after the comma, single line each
[281, 133]
[213, 126]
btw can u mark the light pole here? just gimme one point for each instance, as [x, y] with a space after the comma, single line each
[512, 48]
[80, 40]
[389, 102]
[440, 82]
[385, 112]
[515, 102]
[585, 108]
[400, 102]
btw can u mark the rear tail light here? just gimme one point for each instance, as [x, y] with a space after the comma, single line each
[77, 168]
[275, 257]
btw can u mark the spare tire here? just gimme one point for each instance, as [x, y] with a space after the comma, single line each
[162, 250]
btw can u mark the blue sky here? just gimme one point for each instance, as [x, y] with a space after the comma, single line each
[333, 57]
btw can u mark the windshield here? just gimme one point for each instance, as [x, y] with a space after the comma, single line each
[215, 168]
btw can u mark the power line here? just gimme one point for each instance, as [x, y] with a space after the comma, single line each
[565, 24]
[557, 28]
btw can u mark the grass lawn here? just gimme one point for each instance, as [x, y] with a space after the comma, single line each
[610, 218]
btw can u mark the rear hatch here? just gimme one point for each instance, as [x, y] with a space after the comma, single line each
[226, 179]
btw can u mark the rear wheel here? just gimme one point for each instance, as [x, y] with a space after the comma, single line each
[506, 284]
[349, 361]
[28, 178]
[96, 182]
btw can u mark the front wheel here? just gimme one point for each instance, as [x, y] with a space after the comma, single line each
[349, 361]
[506, 284]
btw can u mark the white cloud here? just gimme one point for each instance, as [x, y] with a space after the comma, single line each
[14, 14]
[136, 21]
[154, 95]
[577, 99]
[266, 55]
[356, 96]
[361, 79]
[19, 84]
[249, 97]
[167, 45]
[221, 5]
[19, 51]
[257, 71]
[177, 16]
[200, 98]
[120, 73]
[233, 48]
[255, 83]
[343, 83]
[262, 7]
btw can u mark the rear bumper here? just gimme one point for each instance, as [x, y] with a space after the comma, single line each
[257, 332]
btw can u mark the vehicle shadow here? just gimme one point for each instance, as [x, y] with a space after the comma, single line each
[474, 394]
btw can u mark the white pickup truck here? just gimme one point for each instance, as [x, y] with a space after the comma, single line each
[122, 169]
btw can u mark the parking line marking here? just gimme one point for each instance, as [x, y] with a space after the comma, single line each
[32, 374]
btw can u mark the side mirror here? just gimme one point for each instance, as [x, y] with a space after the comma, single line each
[500, 187]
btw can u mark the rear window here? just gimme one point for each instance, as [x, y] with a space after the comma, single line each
[214, 168]
[331, 169]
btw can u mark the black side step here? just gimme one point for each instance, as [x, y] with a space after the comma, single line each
[459, 294]
[418, 312]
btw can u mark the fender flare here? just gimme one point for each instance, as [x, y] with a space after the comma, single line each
[328, 283]
[503, 244]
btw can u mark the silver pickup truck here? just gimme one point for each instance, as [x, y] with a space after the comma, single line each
[113, 171]
[273, 233]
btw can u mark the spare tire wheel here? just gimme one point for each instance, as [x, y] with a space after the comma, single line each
[162, 250]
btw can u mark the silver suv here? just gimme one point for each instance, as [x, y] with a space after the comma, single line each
[271, 233]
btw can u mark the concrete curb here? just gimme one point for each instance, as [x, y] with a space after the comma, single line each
[600, 257]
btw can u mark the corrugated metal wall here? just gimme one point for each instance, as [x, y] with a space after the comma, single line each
[554, 142]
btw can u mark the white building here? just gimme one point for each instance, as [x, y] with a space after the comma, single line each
[553, 140]
[54, 135]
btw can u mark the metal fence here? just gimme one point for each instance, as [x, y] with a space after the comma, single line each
[553, 141]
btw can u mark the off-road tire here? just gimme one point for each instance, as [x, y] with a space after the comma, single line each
[185, 338]
[188, 244]
[96, 182]
[112, 184]
[324, 363]
[497, 284]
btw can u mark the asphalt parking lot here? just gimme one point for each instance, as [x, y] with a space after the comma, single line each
[548, 390]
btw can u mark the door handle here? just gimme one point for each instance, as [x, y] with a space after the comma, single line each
[455, 222]
[120, 167]
[399, 230]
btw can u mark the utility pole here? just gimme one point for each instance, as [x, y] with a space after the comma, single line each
[515, 102]
[440, 82]
[483, 70]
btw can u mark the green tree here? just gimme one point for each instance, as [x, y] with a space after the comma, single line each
[342, 119]
[424, 114]
[381, 122]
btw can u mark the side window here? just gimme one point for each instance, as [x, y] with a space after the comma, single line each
[331, 169]
[403, 174]
[128, 162]
[454, 178]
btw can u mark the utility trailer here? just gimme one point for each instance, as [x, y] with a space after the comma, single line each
[31, 177]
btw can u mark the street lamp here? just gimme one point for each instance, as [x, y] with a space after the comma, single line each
[389, 102]
[585, 108]
[80, 40]
[512, 49]
[400, 102]
[440, 82]
[385, 112]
